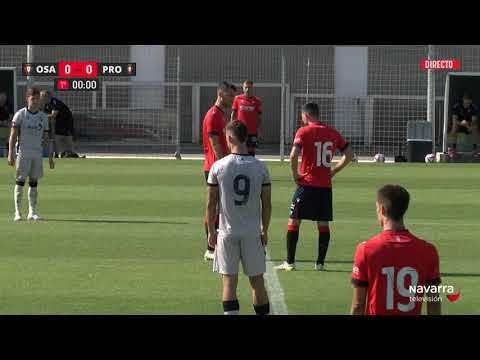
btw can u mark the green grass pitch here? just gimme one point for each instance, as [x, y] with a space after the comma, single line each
[127, 237]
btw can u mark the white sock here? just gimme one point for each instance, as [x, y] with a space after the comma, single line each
[233, 312]
[17, 195]
[32, 199]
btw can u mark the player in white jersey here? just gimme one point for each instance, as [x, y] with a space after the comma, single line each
[30, 127]
[240, 185]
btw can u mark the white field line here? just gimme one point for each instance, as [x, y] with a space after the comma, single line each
[275, 290]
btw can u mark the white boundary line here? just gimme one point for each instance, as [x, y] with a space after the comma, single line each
[200, 157]
[275, 290]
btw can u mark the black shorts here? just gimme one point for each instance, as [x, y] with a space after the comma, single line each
[252, 141]
[312, 203]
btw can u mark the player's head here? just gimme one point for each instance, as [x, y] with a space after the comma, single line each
[3, 98]
[33, 98]
[392, 203]
[236, 133]
[226, 93]
[45, 96]
[310, 112]
[248, 87]
[467, 100]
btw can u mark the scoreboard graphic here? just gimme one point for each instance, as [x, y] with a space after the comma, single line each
[78, 75]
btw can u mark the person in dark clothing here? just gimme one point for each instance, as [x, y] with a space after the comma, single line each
[61, 119]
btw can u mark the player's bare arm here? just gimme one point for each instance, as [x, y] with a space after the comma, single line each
[434, 307]
[217, 149]
[266, 197]
[347, 157]
[294, 163]
[359, 300]
[11, 145]
[233, 115]
[212, 202]
[46, 142]
[259, 125]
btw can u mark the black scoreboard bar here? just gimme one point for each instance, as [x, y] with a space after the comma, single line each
[79, 69]
[117, 69]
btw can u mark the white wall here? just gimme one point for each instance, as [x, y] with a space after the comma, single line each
[351, 83]
[150, 60]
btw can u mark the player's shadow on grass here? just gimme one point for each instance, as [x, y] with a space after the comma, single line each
[119, 221]
[313, 261]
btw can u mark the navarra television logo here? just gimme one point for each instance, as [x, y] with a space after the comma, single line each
[434, 293]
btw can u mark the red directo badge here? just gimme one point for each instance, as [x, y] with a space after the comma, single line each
[448, 64]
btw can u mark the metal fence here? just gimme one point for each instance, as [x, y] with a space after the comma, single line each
[161, 113]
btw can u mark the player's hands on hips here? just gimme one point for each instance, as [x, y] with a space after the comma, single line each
[52, 163]
[11, 160]
[264, 237]
[212, 239]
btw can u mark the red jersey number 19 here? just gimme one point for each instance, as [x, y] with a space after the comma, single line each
[324, 153]
[400, 285]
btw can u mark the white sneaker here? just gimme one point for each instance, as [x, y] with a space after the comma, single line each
[285, 266]
[209, 255]
[319, 267]
[18, 217]
[34, 217]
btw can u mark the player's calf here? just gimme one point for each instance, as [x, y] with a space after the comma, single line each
[323, 242]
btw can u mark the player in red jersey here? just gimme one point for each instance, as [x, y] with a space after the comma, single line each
[247, 108]
[389, 264]
[213, 136]
[317, 142]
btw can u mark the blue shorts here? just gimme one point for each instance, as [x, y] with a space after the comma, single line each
[312, 203]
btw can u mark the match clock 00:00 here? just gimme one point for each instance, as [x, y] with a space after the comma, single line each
[79, 84]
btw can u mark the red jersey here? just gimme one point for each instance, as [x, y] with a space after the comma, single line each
[247, 109]
[318, 143]
[388, 264]
[213, 124]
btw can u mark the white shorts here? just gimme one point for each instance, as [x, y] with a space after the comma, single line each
[29, 167]
[231, 249]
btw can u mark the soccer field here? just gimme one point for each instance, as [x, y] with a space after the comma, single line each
[127, 237]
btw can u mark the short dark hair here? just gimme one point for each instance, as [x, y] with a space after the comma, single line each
[249, 82]
[311, 109]
[395, 200]
[467, 96]
[225, 85]
[239, 130]
[32, 91]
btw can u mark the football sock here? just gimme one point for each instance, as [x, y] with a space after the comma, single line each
[262, 309]
[18, 194]
[231, 307]
[32, 198]
[323, 241]
[292, 239]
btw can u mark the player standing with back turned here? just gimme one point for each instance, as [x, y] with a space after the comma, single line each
[239, 185]
[317, 142]
[388, 264]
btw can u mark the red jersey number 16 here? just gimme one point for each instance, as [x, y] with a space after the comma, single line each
[324, 153]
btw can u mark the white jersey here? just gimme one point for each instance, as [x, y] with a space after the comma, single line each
[240, 179]
[31, 127]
